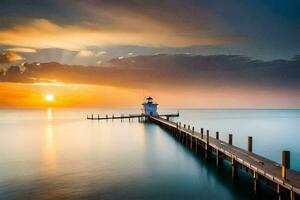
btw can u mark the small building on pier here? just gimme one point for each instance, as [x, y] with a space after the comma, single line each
[149, 107]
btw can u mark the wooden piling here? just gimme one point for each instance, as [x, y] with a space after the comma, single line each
[219, 159]
[207, 145]
[201, 133]
[278, 191]
[285, 163]
[230, 139]
[250, 143]
[186, 139]
[217, 135]
[292, 195]
[207, 138]
[233, 168]
[188, 127]
[255, 182]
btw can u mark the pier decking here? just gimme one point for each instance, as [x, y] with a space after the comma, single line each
[284, 181]
[131, 116]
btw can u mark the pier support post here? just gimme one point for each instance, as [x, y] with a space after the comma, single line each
[106, 116]
[217, 135]
[278, 191]
[191, 144]
[193, 130]
[92, 116]
[188, 127]
[179, 124]
[230, 139]
[250, 143]
[201, 133]
[207, 145]
[196, 145]
[98, 116]
[255, 182]
[180, 136]
[186, 138]
[184, 125]
[219, 159]
[285, 163]
[292, 195]
[233, 168]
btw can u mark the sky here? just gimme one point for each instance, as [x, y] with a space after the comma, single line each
[109, 49]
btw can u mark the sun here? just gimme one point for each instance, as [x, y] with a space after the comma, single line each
[49, 97]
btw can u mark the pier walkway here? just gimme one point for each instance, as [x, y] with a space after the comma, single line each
[285, 181]
[130, 116]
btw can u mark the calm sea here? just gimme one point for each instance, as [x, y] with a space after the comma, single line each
[58, 154]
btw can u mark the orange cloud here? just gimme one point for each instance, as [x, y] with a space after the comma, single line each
[7, 58]
[42, 33]
[85, 53]
[22, 50]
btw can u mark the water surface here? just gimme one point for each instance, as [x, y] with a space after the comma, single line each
[58, 154]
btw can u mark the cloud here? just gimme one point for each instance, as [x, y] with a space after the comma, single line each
[85, 53]
[99, 62]
[131, 54]
[100, 53]
[22, 50]
[43, 33]
[167, 72]
[8, 58]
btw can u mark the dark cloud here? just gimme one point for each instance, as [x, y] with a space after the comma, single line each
[171, 72]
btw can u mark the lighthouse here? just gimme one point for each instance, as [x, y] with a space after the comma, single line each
[150, 108]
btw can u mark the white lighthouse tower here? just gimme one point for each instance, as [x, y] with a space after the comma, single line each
[150, 108]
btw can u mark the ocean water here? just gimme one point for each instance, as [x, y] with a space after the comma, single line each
[58, 154]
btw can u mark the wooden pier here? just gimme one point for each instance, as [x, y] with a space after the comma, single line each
[284, 181]
[130, 116]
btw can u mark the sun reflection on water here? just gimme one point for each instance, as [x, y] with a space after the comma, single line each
[49, 113]
[49, 144]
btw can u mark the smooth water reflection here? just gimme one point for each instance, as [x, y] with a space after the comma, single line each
[58, 154]
[272, 130]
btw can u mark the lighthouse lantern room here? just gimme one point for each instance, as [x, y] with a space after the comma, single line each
[150, 108]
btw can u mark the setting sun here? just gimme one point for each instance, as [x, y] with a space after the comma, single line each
[49, 97]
